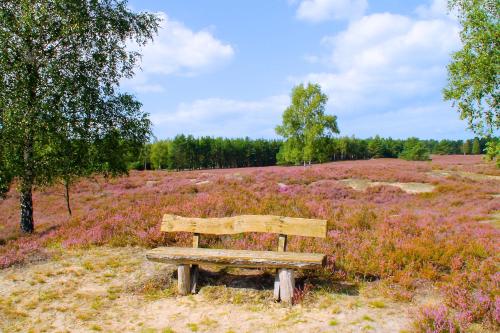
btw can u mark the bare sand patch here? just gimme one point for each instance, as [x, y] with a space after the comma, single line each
[117, 289]
[152, 183]
[234, 176]
[463, 174]
[412, 188]
[493, 219]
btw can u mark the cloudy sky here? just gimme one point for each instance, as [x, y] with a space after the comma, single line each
[226, 67]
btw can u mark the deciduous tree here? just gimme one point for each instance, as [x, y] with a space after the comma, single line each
[305, 124]
[467, 147]
[473, 80]
[61, 111]
[159, 154]
[476, 147]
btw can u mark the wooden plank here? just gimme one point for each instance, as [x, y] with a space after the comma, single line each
[196, 240]
[287, 285]
[183, 280]
[237, 258]
[282, 242]
[246, 223]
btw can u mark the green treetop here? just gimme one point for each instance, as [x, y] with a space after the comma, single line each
[159, 154]
[304, 125]
[414, 150]
[467, 147]
[473, 80]
[476, 147]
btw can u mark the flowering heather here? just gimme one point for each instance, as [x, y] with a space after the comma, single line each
[436, 320]
[444, 237]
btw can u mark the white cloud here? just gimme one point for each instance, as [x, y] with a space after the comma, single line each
[224, 117]
[178, 50]
[437, 9]
[323, 10]
[382, 61]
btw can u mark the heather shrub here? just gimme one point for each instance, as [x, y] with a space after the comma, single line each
[403, 240]
[474, 293]
[436, 320]
[300, 294]
[363, 219]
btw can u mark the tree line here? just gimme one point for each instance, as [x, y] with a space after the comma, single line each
[186, 152]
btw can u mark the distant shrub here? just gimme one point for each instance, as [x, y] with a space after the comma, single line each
[414, 150]
[137, 165]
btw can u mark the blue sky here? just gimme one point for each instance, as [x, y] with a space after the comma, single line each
[226, 68]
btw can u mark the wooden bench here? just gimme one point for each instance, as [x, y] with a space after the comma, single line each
[284, 262]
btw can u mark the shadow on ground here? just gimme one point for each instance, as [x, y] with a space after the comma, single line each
[264, 280]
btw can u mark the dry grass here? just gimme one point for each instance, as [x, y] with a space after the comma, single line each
[141, 297]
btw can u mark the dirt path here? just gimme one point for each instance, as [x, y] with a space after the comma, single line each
[117, 290]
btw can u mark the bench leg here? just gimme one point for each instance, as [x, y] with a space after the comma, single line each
[194, 278]
[183, 279]
[287, 285]
[277, 286]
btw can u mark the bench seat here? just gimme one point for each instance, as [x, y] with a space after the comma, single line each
[188, 259]
[237, 258]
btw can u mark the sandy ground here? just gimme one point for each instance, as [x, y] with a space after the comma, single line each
[494, 219]
[118, 290]
[412, 188]
[463, 174]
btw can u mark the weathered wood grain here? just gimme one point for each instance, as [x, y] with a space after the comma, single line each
[282, 242]
[196, 240]
[237, 258]
[246, 223]
[183, 279]
[195, 268]
[287, 285]
[276, 292]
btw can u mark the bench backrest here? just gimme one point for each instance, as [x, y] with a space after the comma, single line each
[246, 223]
